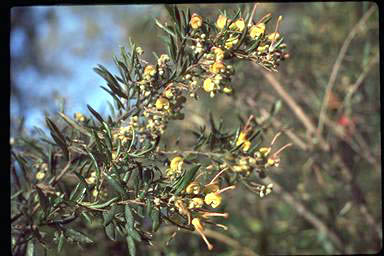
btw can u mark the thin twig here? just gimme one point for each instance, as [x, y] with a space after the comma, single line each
[252, 14]
[309, 216]
[218, 236]
[337, 65]
[361, 78]
[297, 110]
[359, 198]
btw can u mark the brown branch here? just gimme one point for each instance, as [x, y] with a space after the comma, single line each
[360, 200]
[297, 110]
[337, 65]
[218, 236]
[305, 213]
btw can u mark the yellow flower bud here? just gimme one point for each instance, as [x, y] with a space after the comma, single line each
[196, 202]
[177, 163]
[95, 192]
[193, 188]
[79, 117]
[264, 151]
[149, 70]
[262, 48]
[217, 67]
[40, 175]
[227, 90]
[221, 21]
[196, 21]
[243, 139]
[197, 224]
[219, 54]
[231, 41]
[209, 85]
[273, 36]
[162, 103]
[213, 199]
[238, 25]
[257, 30]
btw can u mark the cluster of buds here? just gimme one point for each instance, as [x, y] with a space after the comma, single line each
[263, 190]
[124, 134]
[235, 38]
[168, 105]
[197, 200]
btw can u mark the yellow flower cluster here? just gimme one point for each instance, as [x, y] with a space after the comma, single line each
[124, 134]
[205, 196]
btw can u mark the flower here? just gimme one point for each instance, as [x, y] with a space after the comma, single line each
[221, 21]
[213, 199]
[219, 53]
[162, 103]
[261, 49]
[149, 71]
[217, 67]
[40, 175]
[273, 36]
[200, 228]
[227, 90]
[231, 41]
[91, 179]
[196, 202]
[209, 85]
[177, 163]
[243, 140]
[196, 21]
[257, 30]
[193, 188]
[238, 25]
[79, 117]
[264, 151]
[139, 51]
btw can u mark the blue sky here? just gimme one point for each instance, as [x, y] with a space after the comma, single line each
[65, 43]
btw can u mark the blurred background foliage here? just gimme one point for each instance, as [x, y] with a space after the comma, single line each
[328, 196]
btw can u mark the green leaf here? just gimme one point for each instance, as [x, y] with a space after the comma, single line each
[77, 236]
[164, 28]
[96, 165]
[95, 114]
[74, 125]
[30, 251]
[115, 184]
[131, 246]
[86, 217]
[187, 178]
[110, 231]
[129, 217]
[44, 202]
[105, 204]
[148, 207]
[58, 137]
[60, 243]
[275, 108]
[109, 215]
[78, 193]
[119, 103]
[155, 217]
